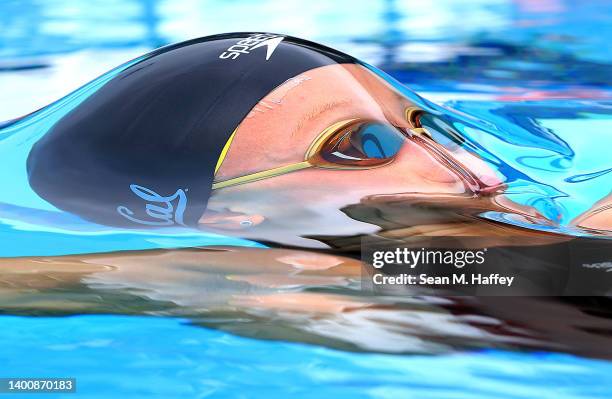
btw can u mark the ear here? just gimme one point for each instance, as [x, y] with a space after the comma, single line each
[229, 220]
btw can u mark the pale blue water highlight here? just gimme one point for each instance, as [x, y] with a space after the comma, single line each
[166, 358]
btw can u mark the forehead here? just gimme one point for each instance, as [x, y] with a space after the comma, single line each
[280, 128]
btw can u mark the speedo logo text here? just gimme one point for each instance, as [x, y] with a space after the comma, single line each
[246, 45]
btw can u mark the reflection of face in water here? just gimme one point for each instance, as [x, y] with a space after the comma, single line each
[293, 295]
[380, 153]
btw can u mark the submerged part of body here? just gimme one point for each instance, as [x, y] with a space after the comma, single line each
[298, 296]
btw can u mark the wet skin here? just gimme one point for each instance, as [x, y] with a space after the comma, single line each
[287, 208]
[279, 131]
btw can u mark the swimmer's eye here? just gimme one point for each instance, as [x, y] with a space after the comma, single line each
[362, 144]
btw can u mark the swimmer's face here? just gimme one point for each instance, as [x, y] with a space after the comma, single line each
[280, 130]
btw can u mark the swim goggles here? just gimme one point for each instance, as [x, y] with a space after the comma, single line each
[349, 144]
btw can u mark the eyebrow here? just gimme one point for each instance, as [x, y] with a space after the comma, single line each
[316, 112]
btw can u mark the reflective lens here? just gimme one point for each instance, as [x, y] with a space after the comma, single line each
[361, 144]
[377, 140]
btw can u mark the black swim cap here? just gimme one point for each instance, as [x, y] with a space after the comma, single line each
[141, 150]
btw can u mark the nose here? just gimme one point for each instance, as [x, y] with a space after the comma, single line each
[419, 160]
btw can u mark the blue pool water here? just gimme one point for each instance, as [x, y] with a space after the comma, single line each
[535, 76]
[165, 357]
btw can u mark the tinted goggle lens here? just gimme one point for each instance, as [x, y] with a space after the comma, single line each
[360, 144]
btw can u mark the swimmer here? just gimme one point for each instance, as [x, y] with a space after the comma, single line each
[262, 136]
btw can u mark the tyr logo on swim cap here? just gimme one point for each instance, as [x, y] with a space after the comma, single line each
[140, 149]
